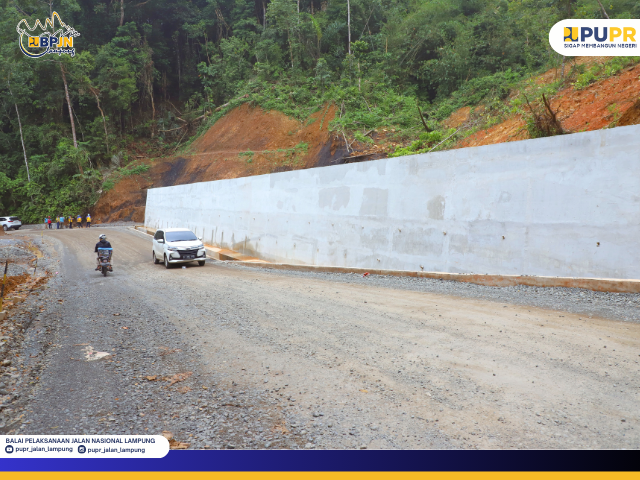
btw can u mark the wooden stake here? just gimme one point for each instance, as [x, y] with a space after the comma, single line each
[4, 281]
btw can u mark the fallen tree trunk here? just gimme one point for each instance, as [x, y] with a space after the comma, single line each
[221, 107]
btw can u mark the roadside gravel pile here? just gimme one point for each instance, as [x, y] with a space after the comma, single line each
[20, 257]
[23, 305]
[616, 306]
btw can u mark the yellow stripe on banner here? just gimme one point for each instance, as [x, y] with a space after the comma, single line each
[323, 475]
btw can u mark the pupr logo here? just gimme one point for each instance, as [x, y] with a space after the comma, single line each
[570, 34]
[600, 34]
[596, 37]
[48, 40]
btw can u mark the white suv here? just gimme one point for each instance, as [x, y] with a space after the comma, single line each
[177, 245]
[8, 223]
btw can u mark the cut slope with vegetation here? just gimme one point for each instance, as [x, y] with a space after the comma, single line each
[250, 141]
[247, 141]
[606, 103]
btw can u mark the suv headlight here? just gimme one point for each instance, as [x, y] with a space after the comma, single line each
[172, 248]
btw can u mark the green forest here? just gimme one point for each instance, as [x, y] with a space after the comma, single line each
[165, 70]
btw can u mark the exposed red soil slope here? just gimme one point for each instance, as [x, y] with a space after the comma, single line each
[247, 141]
[458, 117]
[609, 102]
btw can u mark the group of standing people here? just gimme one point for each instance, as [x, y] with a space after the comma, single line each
[60, 221]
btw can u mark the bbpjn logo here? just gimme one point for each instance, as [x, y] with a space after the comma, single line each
[40, 40]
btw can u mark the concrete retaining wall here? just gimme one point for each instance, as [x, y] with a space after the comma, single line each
[563, 206]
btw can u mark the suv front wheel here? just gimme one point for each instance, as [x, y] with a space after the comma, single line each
[166, 262]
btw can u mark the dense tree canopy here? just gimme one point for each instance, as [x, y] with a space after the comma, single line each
[147, 68]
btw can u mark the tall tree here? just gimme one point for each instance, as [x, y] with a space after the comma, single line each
[24, 150]
[349, 25]
[66, 94]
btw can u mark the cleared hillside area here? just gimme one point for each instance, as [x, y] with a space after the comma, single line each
[250, 141]
[612, 102]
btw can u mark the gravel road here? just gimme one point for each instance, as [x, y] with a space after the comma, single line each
[225, 356]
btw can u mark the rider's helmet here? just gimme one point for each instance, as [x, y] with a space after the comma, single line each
[102, 237]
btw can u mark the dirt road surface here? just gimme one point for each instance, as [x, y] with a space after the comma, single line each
[229, 357]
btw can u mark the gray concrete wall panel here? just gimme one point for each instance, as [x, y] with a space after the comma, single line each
[562, 206]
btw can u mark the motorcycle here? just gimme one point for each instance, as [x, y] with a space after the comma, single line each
[104, 257]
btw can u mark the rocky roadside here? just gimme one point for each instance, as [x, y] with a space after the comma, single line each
[24, 302]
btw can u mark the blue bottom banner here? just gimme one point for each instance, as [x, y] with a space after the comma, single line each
[340, 460]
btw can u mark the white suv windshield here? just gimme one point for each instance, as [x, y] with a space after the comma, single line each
[180, 236]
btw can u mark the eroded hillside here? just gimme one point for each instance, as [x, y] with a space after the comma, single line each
[250, 141]
[611, 102]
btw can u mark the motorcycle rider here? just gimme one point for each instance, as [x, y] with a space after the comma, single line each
[103, 243]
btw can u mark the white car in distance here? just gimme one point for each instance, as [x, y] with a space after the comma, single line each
[173, 246]
[7, 223]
